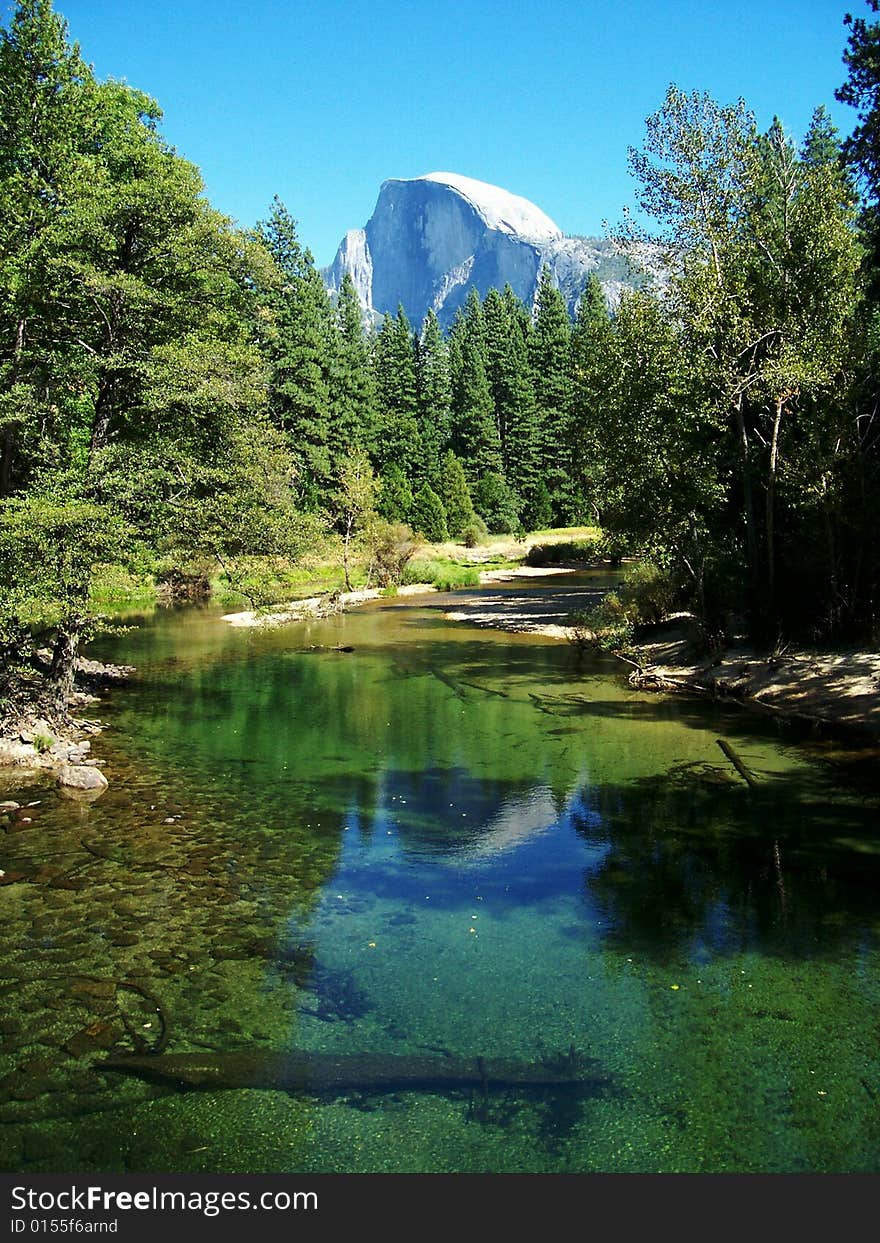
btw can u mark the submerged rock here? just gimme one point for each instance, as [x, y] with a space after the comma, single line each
[82, 777]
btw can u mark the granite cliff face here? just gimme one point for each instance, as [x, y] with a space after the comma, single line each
[431, 239]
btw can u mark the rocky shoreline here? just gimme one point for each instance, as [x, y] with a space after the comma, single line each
[37, 740]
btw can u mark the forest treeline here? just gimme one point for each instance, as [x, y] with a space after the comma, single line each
[176, 389]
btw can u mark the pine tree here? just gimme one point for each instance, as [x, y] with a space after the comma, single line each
[508, 327]
[429, 515]
[395, 494]
[300, 351]
[455, 495]
[394, 367]
[475, 436]
[353, 393]
[495, 504]
[434, 396]
[550, 359]
[589, 345]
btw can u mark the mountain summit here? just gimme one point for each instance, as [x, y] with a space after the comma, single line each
[430, 239]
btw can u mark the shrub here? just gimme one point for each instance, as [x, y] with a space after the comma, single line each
[444, 575]
[475, 533]
[117, 586]
[647, 592]
[605, 628]
[391, 547]
[613, 548]
[584, 551]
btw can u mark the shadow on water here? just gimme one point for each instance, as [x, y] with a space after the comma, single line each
[696, 871]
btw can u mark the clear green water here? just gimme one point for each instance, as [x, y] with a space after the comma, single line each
[444, 839]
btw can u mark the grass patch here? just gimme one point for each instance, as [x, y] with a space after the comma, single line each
[114, 587]
[583, 552]
[443, 574]
[263, 581]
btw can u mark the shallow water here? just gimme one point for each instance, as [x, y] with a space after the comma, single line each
[444, 840]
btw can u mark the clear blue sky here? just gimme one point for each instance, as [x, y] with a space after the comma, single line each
[320, 100]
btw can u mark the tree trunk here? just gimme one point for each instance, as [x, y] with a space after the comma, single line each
[349, 523]
[63, 669]
[9, 438]
[10, 435]
[748, 501]
[778, 410]
[103, 415]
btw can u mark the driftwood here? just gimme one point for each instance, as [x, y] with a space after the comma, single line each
[747, 775]
[320, 1074]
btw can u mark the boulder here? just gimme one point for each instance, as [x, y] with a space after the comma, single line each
[81, 777]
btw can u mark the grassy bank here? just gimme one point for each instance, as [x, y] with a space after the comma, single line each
[263, 582]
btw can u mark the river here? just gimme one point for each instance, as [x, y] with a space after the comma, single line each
[443, 842]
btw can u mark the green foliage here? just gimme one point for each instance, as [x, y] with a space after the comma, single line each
[744, 363]
[434, 397]
[550, 365]
[475, 435]
[613, 547]
[356, 503]
[475, 533]
[298, 337]
[398, 438]
[48, 548]
[391, 547]
[494, 503]
[452, 488]
[862, 90]
[537, 511]
[585, 551]
[115, 587]
[353, 390]
[445, 575]
[395, 497]
[605, 628]
[429, 516]
[647, 593]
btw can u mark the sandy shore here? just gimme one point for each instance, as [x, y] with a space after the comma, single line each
[531, 619]
[838, 688]
[545, 611]
[316, 606]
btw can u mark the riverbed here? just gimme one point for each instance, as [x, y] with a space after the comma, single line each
[391, 833]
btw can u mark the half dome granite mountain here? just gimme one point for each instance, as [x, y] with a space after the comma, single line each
[431, 239]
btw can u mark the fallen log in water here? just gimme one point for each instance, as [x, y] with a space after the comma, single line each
[325, 1073]
[747, 775]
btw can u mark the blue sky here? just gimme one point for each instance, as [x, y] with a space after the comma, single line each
[320, 101]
